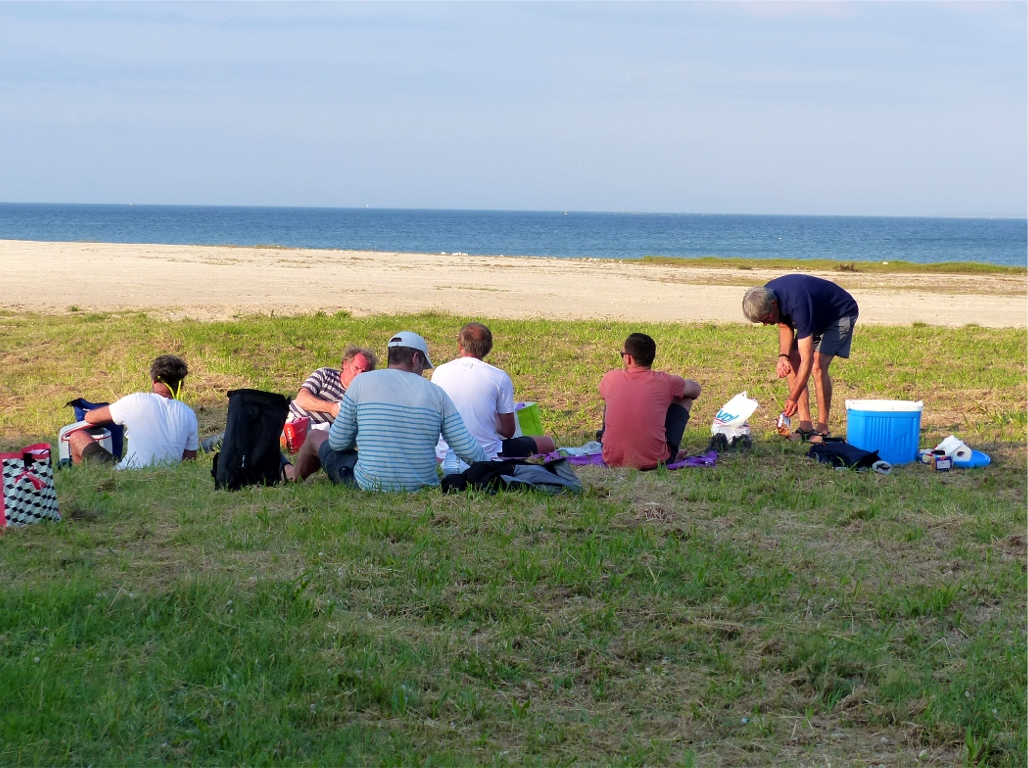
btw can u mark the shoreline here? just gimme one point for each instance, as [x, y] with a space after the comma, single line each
[895, 266]
[218, 282]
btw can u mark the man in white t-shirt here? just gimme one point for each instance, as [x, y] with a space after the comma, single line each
[160, 428]
[484, 396]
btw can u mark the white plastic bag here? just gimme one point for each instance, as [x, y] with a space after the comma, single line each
[733, 415]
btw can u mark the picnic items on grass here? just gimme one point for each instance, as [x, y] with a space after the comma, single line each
[552, 477]
[708, 459]
[838, 453]
[527, 420]
[294, 434]
[28, 494]
[961, 454]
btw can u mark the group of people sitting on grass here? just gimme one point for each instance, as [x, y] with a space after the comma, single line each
[389, 429]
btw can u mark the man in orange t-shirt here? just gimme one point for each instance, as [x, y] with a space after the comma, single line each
[645, 411]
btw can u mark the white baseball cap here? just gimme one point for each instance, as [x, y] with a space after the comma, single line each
[412, 340]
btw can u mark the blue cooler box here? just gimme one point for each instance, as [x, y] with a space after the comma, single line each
[891, 427]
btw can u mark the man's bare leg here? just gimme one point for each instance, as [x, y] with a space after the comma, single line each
[806, 423]
[77, 442]
[307, 461]
[544, 444]
[822, 389]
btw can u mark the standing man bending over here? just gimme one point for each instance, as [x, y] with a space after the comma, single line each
[320, 395]
[815, 320]
[161, 429]
[393, 418]
[645, 411]
[484, 396]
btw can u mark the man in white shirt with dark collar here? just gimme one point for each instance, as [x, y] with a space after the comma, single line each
[161, 428]
[484, 396]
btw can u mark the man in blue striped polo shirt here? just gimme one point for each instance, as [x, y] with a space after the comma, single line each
[388, 425]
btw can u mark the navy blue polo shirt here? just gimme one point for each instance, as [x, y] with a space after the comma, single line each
[809, 304]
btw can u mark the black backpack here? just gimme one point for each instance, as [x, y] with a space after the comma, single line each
[250, 453]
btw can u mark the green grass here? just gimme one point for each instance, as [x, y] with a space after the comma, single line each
[834, 265]
[768, 610]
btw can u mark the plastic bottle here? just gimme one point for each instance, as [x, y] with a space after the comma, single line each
[452, 464]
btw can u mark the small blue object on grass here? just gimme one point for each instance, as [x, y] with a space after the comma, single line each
[978, 459]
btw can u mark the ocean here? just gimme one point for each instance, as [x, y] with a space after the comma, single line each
[533, 233]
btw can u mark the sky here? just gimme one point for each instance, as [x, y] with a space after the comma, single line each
[891, 109]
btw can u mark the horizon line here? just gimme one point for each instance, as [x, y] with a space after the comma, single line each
[566, 212]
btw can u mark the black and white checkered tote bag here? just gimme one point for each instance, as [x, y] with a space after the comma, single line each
[28, 492]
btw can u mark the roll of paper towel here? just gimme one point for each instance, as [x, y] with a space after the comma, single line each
[955, 447]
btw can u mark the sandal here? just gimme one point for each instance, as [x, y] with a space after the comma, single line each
[818, 438]
[803, 435]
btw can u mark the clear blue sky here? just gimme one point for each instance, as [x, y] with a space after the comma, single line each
[867, 108]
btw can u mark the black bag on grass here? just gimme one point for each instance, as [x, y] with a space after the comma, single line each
[250, 453]
[553, 477]
[839, 453]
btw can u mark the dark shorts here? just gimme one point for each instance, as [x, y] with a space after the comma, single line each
[517, 447]
[836, 338]
[338, 465]
[97, 453]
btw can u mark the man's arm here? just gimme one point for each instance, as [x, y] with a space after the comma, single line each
[806, 350]
[506, 425]
[311, 402]
[506, 421]
[456, 434]
[785, 335]
[684, 391]
[99, 415]
[460, 440]
[342, 435]
[189, 454]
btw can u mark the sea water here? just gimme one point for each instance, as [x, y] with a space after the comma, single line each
[532, 233]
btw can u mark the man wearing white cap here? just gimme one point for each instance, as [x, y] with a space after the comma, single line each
[389, 422]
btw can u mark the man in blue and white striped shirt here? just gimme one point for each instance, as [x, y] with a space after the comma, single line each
[393, 418]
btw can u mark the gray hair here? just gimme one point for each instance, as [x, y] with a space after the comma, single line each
[756, 304]
[352, 351]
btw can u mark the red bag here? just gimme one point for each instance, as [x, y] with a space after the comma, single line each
[294, 434]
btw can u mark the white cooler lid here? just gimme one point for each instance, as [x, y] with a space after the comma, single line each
[884, 405]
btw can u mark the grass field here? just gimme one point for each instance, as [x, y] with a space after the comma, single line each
[768, 610]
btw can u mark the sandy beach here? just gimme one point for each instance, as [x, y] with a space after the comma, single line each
[210, 282]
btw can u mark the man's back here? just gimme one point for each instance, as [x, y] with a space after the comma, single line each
[479, 391]
[810, 304]
[395, 418]
[636, 405]
[159, 429]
